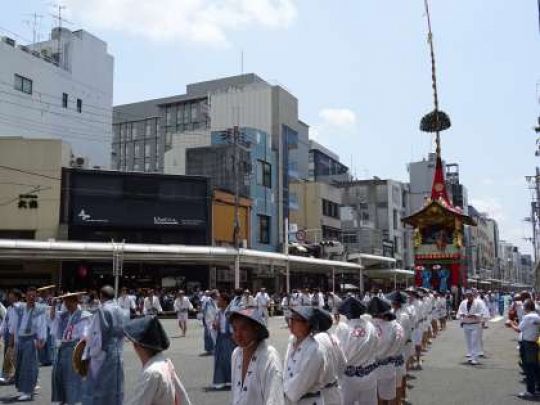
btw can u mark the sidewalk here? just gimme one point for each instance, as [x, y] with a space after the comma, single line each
[447, 379]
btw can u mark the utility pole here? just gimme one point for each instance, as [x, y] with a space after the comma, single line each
[235, 137]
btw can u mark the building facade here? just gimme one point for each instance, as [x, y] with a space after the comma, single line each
[317, 213]
[371, 216]
[61, 88]
[154, 135]
[324, 165]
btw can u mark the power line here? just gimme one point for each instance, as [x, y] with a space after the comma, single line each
[14, 169]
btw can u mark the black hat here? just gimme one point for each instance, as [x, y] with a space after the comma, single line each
[147, 332]
[323, 320]
[352, 308]
[378, 306]
[306, 312]
[254, 315]
[397, 297]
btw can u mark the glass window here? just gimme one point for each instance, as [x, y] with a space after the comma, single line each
[264, 229]
[330, 209]
[168, 116]
[194, 113]
[64, 100]
[79, 105]
[23, 84]
[186, 113]
[264, 175]
[147, 149]
[179, 114]
[148, 128]
[147, 167]
[134, 130]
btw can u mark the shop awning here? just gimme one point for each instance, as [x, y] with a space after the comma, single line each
[388, 273]
[31, 250]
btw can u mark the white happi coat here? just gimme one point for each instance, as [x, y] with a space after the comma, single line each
[335, 363]
[263, 383]
[359, 340]
[182, 306]
[304, 367]
[158, 384]
[387, 336]
[152, 306]
[477, 309]
[404, 320]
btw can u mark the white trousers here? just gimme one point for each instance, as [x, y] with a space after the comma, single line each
[472, 339]
[481, 340]
[359, 390]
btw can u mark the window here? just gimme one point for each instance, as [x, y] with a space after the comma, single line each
[64, 100]
[148, 128]
[330, 209]
[147, 150]
[395, 219]
[23, 84]
[79, 105]
[264, 177]
[264, 229]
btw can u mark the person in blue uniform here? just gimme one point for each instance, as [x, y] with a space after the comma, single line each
[105, 380]
[224, 345]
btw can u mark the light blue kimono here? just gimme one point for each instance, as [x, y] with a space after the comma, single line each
[105, 380]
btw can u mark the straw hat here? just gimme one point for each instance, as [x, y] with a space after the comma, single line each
[79, 365]
[45, 288]
[71, 294]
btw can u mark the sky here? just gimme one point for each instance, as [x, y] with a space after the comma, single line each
[359, 68]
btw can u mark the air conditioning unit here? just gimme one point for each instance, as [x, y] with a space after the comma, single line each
[9, 41]
[24, 48]
[79, 162]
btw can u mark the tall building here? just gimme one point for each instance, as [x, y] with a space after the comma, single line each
[371, 219]
[154, 135]
[257, 180]
[60, 88]
[420, 182]
[482, 244]
[324, 165]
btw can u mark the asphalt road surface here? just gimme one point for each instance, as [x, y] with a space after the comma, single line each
[445, 379]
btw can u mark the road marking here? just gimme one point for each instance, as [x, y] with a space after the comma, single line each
[497, 319]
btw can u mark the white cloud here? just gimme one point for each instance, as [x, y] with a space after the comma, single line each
[491, 206]
[334, 122]
[194, 21]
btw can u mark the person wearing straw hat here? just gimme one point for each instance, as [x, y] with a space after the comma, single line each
[158, 382]
[29, 328]
[105, 379]
[358, 338]
[70, 327]
[45, 298]
[224, 345]
[304, 360]
[380, 310]
[334, 358]
[257, 376]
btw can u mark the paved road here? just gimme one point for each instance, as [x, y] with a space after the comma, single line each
[445, 379]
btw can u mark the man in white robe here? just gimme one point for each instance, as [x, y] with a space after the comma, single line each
[470, 314]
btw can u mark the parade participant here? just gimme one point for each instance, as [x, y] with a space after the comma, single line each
[257, 377]
[105, 380]
[483, 323]
[470, 314]
[443, 313]
[151, 305]
[262, 299]
[416, 309]
[28, 332]
[379, 309]
[182, 307]
[209, 311]
[305, 298]
[335, 361]
[529, 332]
[304, 360]
[224, 345]
[413, 318]
[127, 303]
[247, 299]
[294, 298]
[158, 383]
[398, 301]
[70, 327]
[333, 303]
[8, 364]
[358, 338]
[44, 299]
[317, 298]
[236, 301]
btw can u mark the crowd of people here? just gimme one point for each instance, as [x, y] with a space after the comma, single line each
[363, 360]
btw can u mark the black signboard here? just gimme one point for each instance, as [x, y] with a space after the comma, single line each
[107, 199]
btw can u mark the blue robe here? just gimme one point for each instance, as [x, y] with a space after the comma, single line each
[107, 387]
[67, 385]
[222, 355]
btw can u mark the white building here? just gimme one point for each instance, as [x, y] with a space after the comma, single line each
[60, 88]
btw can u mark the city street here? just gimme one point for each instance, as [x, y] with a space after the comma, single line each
[446, 378]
